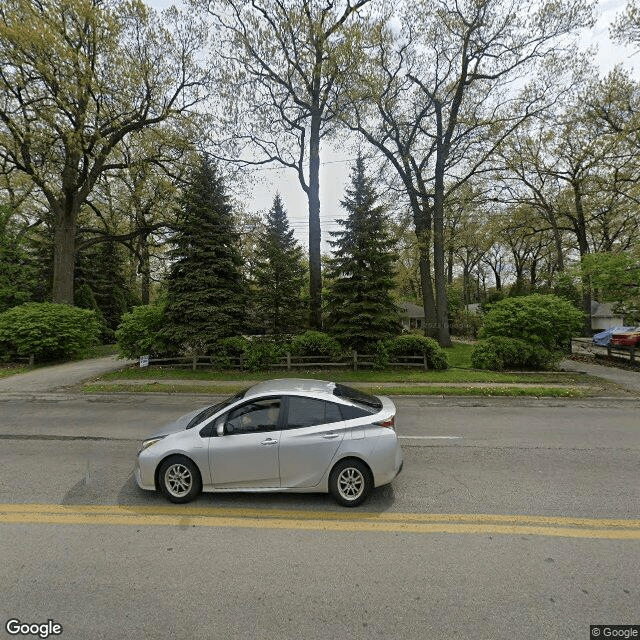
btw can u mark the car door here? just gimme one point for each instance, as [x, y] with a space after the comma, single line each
[309, 440]
[246, 455]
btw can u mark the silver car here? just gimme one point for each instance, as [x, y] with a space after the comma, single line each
[280, 435]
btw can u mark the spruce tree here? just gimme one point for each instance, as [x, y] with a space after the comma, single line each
[360, 275]
[206, 295]
[279, 274]
[100, 283]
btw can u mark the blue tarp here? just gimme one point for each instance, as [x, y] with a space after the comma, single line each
[604, 337]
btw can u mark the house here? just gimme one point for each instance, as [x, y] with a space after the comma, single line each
[604, 317]
[412, 316]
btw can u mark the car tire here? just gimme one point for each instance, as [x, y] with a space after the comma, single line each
[350, 482]
[179, 479]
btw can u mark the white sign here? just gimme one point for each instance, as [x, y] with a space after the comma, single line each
[144, 361]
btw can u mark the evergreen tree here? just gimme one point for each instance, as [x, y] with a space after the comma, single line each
[279, 274]
[100, 283]
[360, 275]
[18, 276]
[206, 295]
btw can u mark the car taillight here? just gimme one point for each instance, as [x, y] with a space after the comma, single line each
[389, 423]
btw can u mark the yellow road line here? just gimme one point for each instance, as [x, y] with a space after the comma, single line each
[321, 521]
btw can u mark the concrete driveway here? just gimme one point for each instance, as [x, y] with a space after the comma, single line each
[46, 379]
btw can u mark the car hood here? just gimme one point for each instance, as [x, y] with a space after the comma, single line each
[177, 425]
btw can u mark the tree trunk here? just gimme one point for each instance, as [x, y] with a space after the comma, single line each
[442, 310]
[145, 271]
[64, 254]
[315, 268]
[583, 246]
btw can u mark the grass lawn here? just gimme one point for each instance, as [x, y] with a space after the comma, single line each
[170, 379]
[460, 371]
[7, 370]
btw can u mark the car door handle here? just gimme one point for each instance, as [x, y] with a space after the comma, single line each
[269, 441]
[330, 436]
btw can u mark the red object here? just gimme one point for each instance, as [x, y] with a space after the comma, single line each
[626, 339]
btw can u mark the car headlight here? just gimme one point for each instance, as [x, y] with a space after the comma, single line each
[148, 443]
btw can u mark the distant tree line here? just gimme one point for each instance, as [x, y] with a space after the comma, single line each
[507, 164]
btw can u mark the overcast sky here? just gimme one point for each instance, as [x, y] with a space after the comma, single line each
[335, 167]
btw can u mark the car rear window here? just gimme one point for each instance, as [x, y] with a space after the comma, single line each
[214, 408]
[362, 400]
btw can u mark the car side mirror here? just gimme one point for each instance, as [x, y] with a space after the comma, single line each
[220, 429]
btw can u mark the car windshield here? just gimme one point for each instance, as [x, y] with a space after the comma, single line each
[360, 398]
[214, 408]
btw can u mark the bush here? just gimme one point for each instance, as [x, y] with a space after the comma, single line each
[498, 353]
[261, 353]
[314, 343]
[416, 345]
[139, 332]
[542, 321]
[466, 324]
[47, 331]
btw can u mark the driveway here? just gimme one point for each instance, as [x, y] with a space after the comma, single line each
[46, 379]
[628, 379]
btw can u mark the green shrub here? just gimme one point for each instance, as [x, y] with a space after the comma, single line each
[260, 353]
[416, 345]
[466, 324]
[542, 321]
[47, 331]
[227, 348]
[140, 334]
[498, 353]
[314, 343]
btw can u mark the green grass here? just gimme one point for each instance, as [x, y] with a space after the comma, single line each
[7, 370]
[227, 390]
[459, 355]
[395, 375]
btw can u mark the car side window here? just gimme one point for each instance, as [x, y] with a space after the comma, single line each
[254, 417]
[308, 412]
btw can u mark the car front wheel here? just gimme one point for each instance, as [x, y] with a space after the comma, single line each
[350, 483]
[179, 479]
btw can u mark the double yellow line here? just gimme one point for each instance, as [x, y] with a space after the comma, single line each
[345, 521]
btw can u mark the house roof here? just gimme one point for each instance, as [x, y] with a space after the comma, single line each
[410, 310]
[603, 310]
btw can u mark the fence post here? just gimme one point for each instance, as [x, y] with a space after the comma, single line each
[608, 351]
[424, 361]
[32, 359]
[195, 362]
[632, 356]
[288, 361]
[355, 360]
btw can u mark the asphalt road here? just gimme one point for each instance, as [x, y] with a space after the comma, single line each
[511, 519]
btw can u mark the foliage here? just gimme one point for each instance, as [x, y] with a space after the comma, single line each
[498, 353]
[360, 306]
[17, 275]
[101, 285]
[262, 352]
[617, 276]
[206, 293]
[466, 324]
[47, 331]
[94, 76]
[140, 332]
[566, 288]
[279, 274]
[542, 321]
[412, 344]
[314, 343]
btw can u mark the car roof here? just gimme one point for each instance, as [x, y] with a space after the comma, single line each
[291, 385]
